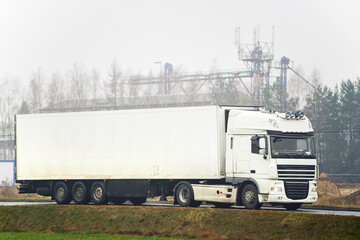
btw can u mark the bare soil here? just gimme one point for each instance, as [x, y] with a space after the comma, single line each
[338, 191]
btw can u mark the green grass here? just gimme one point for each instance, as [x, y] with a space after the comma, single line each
[58, 236]
[177, 222]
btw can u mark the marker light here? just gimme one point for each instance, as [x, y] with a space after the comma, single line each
[287, 114]
[273, 123]
[297, 114]
[302, 114]
[292, 114]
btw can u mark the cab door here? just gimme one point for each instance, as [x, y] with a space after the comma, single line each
[259, 160]
[241, 155]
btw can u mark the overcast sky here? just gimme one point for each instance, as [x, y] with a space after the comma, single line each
[194, 35]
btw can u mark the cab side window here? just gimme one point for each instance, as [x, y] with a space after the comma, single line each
[255, 147]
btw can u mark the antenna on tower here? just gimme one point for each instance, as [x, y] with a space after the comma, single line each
[237, 36]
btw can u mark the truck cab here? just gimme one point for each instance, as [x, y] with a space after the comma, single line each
[273, 152]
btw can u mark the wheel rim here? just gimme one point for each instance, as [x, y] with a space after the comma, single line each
[249, 196]
[184, 195]
[60, 192]
[79, 193]
[98, 192]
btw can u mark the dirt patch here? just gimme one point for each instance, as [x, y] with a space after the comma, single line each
[12, 194]
[353, 199]
[6, 192]
[337, 191]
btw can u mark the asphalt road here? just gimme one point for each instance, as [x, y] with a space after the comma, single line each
[164, 204]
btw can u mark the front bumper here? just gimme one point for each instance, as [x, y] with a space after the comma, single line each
[277, 194]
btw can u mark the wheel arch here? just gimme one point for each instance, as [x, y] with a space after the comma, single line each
[241, 187]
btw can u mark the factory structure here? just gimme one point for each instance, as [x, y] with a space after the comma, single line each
[170, 88]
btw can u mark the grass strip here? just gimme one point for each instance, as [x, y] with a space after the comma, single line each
[70, 236]
[177, 222]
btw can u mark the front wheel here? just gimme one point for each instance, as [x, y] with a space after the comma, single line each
[250, 198]
[98, 193]
[292, 206]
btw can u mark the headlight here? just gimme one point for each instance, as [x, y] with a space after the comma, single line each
[276, 189]
[313, 189]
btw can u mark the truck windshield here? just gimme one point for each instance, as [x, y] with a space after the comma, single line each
[292, 147]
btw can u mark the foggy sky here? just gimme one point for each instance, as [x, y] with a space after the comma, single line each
[193, 35]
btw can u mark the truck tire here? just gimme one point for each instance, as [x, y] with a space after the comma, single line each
[61, 193]
[249, 197]
[222, 205]
[292, 206]
[137, 200]
[185, 196]
[118, 200]
[80, 193]
[98, 193]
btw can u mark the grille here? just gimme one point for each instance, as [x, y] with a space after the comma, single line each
[296, 172]
[296, 190]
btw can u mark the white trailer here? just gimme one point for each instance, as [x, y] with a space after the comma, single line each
[218, 154]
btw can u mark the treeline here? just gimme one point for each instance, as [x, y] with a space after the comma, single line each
[335, 115]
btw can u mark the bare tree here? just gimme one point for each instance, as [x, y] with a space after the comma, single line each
[79, 86]
[36, 97]
[114, 87]
[55, 93]
[95, 85]
[10, 100]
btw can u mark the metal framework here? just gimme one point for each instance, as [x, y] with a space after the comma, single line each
[257, 57]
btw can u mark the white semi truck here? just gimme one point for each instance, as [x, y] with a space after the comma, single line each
[218, 154]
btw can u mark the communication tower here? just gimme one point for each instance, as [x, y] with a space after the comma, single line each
[257, 57]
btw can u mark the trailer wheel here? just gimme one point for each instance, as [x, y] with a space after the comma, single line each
[250, 198]
[292, 206]
[98, 193]
[80, 193]
[137, 200]
[61, 193]
[185, 196]
[222, 205]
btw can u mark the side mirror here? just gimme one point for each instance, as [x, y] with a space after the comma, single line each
[262, 143]
[263, 147]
